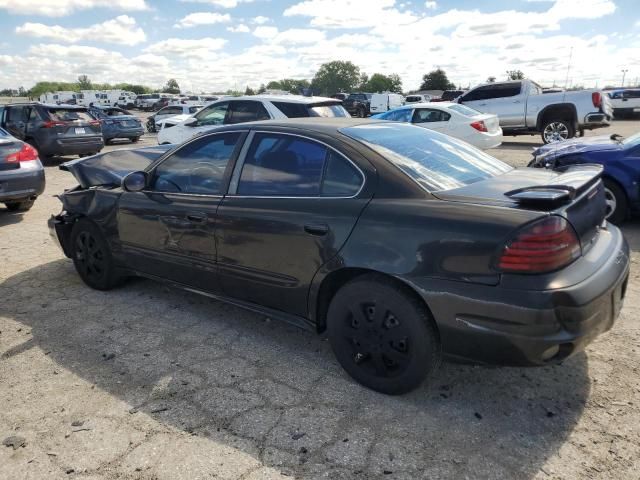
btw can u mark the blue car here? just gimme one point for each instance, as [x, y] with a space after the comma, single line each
[620, 158]
[117, 123]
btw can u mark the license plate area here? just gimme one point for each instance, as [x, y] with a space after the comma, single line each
[80, 131]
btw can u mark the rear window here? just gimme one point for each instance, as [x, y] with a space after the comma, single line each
[450, 95]
[413, 98]
[68, 115]
[435, 161]
[301, 110]
[466, 111]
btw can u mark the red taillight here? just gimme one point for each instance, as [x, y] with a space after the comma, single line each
[480, 126]
[543, 246]
[596, 99]
[95, 123]
[26, 154]
[53, 123]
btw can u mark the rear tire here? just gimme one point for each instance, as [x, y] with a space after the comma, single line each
[135, 139]
[557, 130]
[92, 256]
[617, 205]
[382, 336]
[361, 113]
[20, 205]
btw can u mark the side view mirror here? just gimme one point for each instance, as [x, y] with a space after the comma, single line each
[134, 182]
[191, 122]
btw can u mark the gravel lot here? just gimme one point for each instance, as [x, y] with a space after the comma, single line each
[148, 382]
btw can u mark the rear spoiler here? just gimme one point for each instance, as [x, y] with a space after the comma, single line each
[572, 181]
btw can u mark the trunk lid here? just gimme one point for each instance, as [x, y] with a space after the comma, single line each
[490, 121]
[576, 193]
[8, 146]
[72, 122]
[108, 169]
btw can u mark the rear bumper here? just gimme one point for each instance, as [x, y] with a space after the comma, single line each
[72, 145]
[595, 120]
[506, 326]
[22, 183]
[485, 141]
[123, 133]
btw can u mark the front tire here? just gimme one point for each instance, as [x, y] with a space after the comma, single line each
[20, 206]
[92, 256]
[361, 113]
[135, 139]
[554, 131]
[616, 202]
[382, 336]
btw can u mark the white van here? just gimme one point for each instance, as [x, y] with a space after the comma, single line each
[58, 97]
[382, 102]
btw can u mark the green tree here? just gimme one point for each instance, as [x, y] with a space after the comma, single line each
[491, 79]
[337, 76]
[436, 80]
[84, 83]
[171, 86]
[249, 91]
[262, 89]
[515, 75]
[383, 83]
[290, 85]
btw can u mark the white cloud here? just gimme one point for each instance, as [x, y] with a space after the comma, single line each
[120, 30]
[202, 18]
[350, 13]
[60, 8]
[431, 4]
[202, 48]
[242, 28]
[220, 3]
[260, 20]
[265, 32]
[298, 36]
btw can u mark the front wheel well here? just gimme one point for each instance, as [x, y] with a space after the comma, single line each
[335, 280]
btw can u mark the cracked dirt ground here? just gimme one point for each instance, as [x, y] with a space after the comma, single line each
[149, 382]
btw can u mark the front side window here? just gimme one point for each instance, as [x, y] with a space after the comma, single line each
[198, 167]
[287, 165]
[246, 111]
[213, 114]
[428, 115]
[436, 162]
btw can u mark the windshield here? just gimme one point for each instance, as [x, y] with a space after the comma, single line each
[334, 110]
[435, 161]
[631, 141]
[464, 110]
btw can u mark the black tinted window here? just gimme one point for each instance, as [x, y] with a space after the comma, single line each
[282, 165]
[341, 178]
[292, 110]
[198, 167]
[246, 111]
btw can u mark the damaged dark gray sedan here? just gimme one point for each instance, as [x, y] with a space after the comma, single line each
[400, 243]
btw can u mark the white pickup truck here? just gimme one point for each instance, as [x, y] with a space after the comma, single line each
[524, 109]
[626, 103]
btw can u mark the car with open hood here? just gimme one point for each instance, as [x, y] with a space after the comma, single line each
[399, 243]
[619, 158]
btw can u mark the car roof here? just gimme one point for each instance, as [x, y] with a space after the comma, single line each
[310, 124]
[282, 98]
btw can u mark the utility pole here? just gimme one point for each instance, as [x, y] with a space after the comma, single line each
[624, 72]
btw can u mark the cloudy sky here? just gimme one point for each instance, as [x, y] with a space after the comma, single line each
[212, 45]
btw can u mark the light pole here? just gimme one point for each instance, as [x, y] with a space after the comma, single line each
[624, 72]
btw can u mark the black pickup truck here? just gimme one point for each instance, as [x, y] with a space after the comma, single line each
[358, 104]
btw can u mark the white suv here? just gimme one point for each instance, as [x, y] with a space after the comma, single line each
[248, 109]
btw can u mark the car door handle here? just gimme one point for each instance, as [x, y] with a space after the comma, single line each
[197, 217]
[517, 101]
[316, 228]
[482, 104]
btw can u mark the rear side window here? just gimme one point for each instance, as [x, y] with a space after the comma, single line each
[401, 115]
[198, 167]
[292, 110]
[246, 111]
[286, 165]
[428, 115]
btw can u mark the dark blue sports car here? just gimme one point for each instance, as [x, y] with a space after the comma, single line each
[620, 158]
